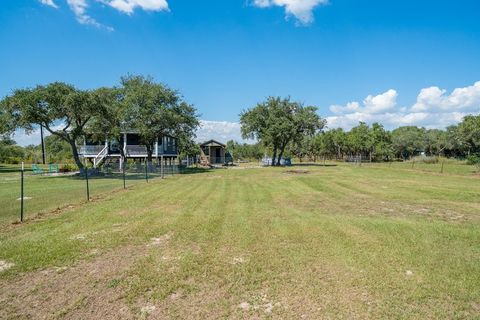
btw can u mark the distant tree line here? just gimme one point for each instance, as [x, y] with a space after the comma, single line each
[375, 143]
[245, 151]
[57, 151]
[281, 127]
[69, 114]
[286, 128]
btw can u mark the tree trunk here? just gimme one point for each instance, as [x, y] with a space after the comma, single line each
[280, 155]
[76, 157]
[149, 152]
[274, 157]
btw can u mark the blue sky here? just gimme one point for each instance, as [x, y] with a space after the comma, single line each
[399, 62]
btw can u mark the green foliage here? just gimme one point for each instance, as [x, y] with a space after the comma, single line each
[474, 160]
[69, 114]
[378, 144]
[408, 141]
[61, 109]
[10, 153]
[278, 122]
[245, 151]
[68, 167]
[154, 110]
[469, 130]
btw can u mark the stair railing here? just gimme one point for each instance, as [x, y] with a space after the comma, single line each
[100, 156]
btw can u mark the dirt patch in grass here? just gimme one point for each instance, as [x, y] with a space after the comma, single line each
[161, 240]
[4, 265]
[89, 290]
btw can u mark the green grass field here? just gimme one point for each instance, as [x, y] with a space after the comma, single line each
[332, 242]
[45, 193]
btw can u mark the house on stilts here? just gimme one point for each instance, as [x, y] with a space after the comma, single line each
[165, 149]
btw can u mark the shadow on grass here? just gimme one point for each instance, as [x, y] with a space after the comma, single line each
[9, 168]
[314, 165]
[195, 170]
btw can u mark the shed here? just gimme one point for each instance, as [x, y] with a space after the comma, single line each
[212, 152]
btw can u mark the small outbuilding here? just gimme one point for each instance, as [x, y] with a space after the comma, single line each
[212, 152]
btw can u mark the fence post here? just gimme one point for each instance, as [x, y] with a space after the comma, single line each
[443, 162]
[86, 179]
[146, 170]
[21, 193]
[413, 163]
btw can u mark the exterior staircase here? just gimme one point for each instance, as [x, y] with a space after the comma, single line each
[100, 157]
[204, 159]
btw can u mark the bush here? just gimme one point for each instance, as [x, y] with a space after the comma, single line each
[473, 160]
[67, 167]
[13, 160]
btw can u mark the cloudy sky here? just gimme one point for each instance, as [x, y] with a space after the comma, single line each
[405, 62]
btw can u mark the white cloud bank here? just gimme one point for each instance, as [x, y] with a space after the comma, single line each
[129, 6]
[221, 131]
[434, 108]
[79, 8]
[302, 10]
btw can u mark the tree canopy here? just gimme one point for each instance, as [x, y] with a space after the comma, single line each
[68, 113]
[60, 108]
[278, 122]
[154, 110]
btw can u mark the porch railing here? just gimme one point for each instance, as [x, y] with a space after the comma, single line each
[131, 150]
[136, 150]
[90, 150]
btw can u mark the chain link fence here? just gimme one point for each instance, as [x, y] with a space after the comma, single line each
[37, 190]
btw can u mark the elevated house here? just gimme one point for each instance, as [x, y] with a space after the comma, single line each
[165, 148]
[213, 153]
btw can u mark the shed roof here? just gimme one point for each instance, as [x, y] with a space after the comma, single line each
[212, 143]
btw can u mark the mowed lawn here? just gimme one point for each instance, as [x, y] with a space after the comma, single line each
[47, 192]
[331, 242]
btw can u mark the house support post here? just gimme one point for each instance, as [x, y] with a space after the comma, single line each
[125, 144]
[161, 166]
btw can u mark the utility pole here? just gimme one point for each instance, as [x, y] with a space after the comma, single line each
[43, 145]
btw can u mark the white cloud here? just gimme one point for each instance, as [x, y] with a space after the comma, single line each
[349, 107]
[434, 108]
[24, 139]
[300, 9]
[371, 105]
[461, 99]
[381, 103]
[128, 6]
[79, 8]
[49, 3]
[221, 131]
